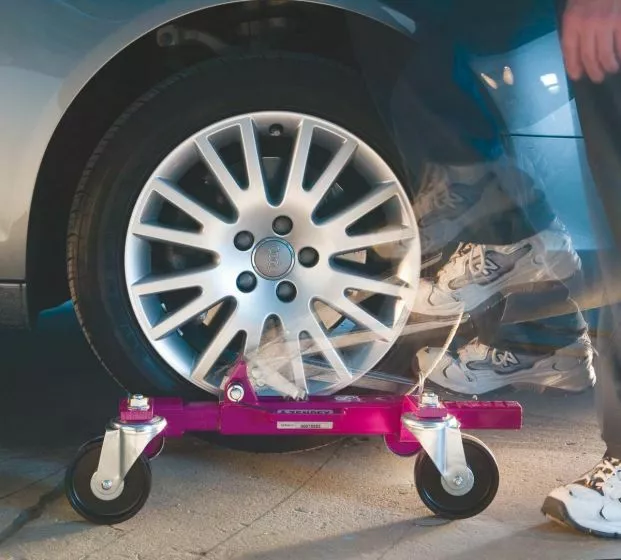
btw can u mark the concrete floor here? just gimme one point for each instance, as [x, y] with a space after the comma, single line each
[351, 499]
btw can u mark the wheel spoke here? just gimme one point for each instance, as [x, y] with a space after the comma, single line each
[177, 319]
[362, 318]
[299, 159]
[224, 177]
[160, 283]
[362, 207]
[254, 168]
[194, 209]
[323, 345]
[207, 359]
[153, 232]
[355, 282]
[332, 172]
[387, 235]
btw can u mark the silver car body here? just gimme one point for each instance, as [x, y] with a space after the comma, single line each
[50, 49]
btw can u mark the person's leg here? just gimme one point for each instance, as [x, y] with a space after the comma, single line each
[485, 201]
[608, 387]
[599, 108]
[471, 192]
[442, 120]
[593, 502]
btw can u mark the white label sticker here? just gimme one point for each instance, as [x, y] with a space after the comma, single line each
[305, 425]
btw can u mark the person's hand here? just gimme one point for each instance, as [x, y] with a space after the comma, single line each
[591, 38]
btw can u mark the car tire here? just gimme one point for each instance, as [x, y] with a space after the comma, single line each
[131, 149]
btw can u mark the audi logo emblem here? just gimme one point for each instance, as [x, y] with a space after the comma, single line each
[273, 259]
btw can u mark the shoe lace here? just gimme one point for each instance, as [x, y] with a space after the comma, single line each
[502, 358]
[463, 252]
[478, 264]
[474, 257]
[499, 357]
[474, 347]
[605, 477]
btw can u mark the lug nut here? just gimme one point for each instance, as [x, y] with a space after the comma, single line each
[276, 130]
[243, 240]
[308, 257]
[286, 292]
[246, 282]
[282, 225]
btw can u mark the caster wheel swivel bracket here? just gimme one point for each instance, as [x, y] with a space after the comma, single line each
[440, 437]
[123, 443]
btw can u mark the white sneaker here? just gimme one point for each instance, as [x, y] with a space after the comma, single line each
[476, 273]
[591, 504]
[479, 369]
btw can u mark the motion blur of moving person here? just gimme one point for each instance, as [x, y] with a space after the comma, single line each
[591, 42]
[472, 192]
[479, 204]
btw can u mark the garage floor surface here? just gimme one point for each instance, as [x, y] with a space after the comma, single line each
[351, 499]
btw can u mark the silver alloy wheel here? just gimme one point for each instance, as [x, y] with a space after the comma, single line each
[272, 229]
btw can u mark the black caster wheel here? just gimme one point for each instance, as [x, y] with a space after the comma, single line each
[438, 498]
[105, 512]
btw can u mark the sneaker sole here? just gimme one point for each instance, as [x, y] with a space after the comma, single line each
[556, 511]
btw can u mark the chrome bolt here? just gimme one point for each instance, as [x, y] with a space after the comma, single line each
[458, 480]
[282, 225]
[246, 282]
[429, 399]
[138, 402]
[286, 292]
[106, 484]
[235, 393]
[243, 240]
[308, 257]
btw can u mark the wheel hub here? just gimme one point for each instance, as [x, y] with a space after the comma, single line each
[273, 258]
[458, 484]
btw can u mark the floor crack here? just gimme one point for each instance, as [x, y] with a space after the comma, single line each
[33, 512]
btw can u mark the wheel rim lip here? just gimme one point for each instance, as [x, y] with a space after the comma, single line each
[177, 360]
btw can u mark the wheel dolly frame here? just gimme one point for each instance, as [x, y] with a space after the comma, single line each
[408, 424]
